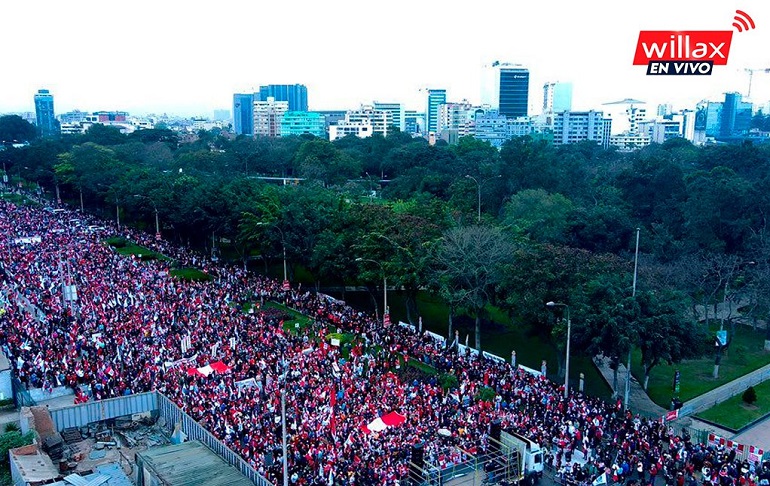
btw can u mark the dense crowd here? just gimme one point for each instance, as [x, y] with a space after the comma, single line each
[134, 328]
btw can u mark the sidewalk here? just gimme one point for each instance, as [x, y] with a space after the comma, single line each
[640, 402]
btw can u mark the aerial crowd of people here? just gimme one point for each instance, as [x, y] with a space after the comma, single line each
[133, 327]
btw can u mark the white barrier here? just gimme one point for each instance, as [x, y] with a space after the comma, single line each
[494, 357]
[408, 326]
[437, 337]
[461, 349]
[530, 371]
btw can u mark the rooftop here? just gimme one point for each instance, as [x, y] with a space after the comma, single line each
[189, 463]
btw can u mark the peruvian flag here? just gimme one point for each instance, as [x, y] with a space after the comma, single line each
[392, 419]
[286, 286]
[218, 366]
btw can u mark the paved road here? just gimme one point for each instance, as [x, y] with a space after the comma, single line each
[758, 435]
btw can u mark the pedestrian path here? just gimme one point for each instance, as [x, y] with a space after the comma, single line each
[640, 402]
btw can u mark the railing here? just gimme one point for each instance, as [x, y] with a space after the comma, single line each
[195, 431]
[21, 397]
[96, 411]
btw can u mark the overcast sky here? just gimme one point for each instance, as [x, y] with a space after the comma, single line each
[189, 57]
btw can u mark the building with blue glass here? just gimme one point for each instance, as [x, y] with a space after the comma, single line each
[243, 114]
[44, 114]
[505, 88]
[303, 122]
[436, 97]
[294, 94]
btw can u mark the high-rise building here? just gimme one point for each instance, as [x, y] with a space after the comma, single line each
[396, 111]
[505, 87]
[457, 116]
[736, 116]
[577, 126]
[302, 122]
[268, 115]
[436, 97]
[44, 114]
[294, 94]
[557, 97]
[626, 115]
[243, 114]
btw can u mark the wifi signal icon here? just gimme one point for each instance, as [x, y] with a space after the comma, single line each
[743, 21]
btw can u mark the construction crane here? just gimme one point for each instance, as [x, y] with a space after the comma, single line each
[751, 77]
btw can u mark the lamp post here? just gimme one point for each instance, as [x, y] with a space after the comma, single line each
[478, 188]
[157, 222]
[384, 285]
[286, 365]
[283, 244]
[569, 332]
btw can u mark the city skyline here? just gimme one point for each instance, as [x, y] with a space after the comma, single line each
[186, 60]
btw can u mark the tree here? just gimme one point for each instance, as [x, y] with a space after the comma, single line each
[473, 257]
[665, 333]
[544, 217]
[15, 129]
[321, 160]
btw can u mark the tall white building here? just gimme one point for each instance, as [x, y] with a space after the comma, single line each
[396, 111]
[457, 116]
[557, 97]
[577, 126]
[268, 115]
[625, 115]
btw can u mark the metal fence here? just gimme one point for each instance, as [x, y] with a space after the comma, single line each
[21, 397]
[86, 413]
[719, 395]
[195, 431]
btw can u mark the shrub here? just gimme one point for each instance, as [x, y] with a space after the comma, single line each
[12, 427]
[750, 395]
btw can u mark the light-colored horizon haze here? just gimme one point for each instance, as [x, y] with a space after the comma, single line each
[189, 57]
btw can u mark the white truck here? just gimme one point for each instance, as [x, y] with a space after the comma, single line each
[530, 452]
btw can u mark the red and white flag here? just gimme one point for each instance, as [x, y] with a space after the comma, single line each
[392, 419]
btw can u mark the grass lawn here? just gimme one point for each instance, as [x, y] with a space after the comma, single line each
[735, 413]
[127, 248]
[192, 274]
[745, 354]
[297, 321]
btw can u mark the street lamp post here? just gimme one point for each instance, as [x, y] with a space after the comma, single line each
[569, 332]
[478, 190]
[283, 245]
[384, 286]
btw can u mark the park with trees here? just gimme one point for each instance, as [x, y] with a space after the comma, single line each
[473, 238]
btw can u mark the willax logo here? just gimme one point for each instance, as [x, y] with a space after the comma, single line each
[690, 52]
